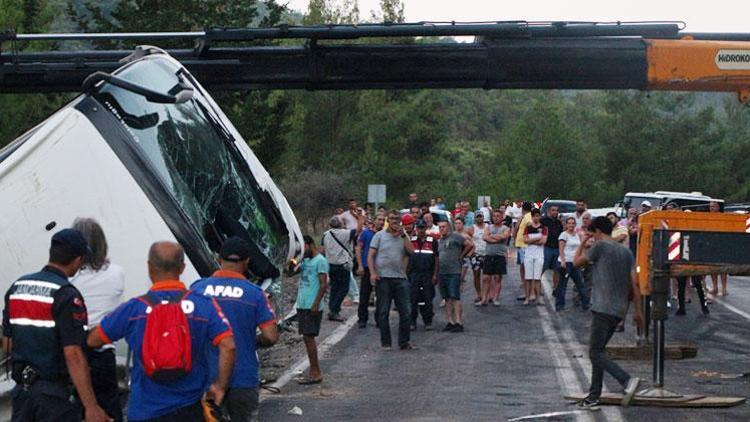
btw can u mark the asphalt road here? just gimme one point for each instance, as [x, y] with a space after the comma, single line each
[514, 361]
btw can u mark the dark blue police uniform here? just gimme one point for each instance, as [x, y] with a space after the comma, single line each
[43, 313]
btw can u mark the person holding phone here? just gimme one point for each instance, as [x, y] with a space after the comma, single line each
[387, 259]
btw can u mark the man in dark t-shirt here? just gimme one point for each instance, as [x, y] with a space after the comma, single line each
[613, 277]
[551, 247]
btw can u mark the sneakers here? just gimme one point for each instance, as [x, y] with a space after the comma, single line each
[448, 327]
[428, 327]
[408, 346]
[589, 404]
[458, 328]
[630, 390]
[335, 317]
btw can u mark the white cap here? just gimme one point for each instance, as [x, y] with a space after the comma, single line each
[645, 204]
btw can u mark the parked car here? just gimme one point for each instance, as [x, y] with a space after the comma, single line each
[693, 201]
[565, 206]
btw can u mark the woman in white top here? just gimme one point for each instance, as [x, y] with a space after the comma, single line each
[569, 241]
[476, 232]
[101, 284]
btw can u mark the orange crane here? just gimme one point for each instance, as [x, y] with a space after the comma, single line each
[504, 55]
[672, 244]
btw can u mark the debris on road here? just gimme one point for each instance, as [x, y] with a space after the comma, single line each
[551, 415]
[715, 374]
[295, 411]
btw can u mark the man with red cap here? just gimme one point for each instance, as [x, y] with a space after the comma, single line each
[386, 260]
[407, 222]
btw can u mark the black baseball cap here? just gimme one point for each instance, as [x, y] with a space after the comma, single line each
[235, 249]
[71, 241]
[421, 224]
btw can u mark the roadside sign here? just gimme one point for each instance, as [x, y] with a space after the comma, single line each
[480, 201]
[376, 194]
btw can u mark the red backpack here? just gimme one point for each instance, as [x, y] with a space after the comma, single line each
[166, 348]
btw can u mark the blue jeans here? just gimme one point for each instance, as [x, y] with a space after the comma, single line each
[551, 259]
[398, 290]
[562, 287]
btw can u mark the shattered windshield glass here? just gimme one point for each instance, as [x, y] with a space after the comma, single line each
[195, 158]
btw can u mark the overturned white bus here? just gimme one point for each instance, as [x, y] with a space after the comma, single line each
[148, 153]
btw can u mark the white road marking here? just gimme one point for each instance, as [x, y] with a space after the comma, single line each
[732, 308]
[302, 364]
[612, 413]
[566, 374]
[549, 415]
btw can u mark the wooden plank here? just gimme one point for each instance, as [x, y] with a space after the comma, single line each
[671, 352]
[686, 401]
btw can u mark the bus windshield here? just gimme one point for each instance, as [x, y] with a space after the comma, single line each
[195, 157]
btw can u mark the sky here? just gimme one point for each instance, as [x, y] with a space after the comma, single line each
[700, 16]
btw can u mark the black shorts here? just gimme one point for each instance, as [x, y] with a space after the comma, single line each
[309, 324]
[477, 262]
[495, 265]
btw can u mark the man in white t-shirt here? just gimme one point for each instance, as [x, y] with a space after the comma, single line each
[581, 208]
[486, 210]
[350, 217]
[339, 250]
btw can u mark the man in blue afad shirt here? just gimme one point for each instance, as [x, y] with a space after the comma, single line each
[178, 400]
[246, 307]
[312, 287]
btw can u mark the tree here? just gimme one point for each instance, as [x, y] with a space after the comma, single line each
[260, 116]
[21, 112]
[313, 194]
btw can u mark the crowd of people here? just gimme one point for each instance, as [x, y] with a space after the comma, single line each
[404, 256]
[194, 349]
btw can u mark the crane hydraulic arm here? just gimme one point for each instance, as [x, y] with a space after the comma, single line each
[504, 55]
[673, 244]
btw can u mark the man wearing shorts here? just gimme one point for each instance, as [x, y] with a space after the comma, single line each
[452, 248]
[312, 287]
[521, 246]
[495, 237]
[534, 235]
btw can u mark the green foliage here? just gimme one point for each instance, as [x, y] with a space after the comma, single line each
[21, 112]
[326, 146]
[261, 116]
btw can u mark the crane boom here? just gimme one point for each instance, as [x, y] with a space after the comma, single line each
[504, 55]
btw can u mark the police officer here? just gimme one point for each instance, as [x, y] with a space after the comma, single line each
[44, 323]
[422, 271]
